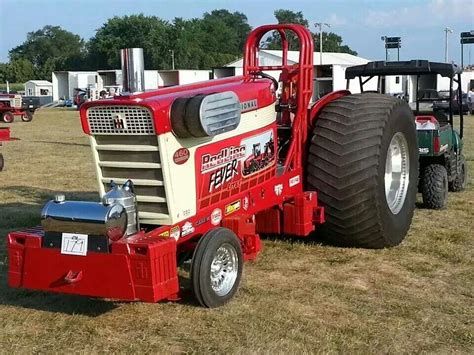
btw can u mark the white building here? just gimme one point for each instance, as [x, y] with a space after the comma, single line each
[329, 71]
[38, 88]
[64, 82]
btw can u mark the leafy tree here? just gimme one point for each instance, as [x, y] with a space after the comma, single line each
[331, 41]
[50, 48]
[19, 71]
[147, 32]
[286, 16]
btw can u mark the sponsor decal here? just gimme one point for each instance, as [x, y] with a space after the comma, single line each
[216, 217]
[223, 175]
[259, 152]
[248, 105]
[181, 156]
[295, 180]
[245, 203]
[120, 122]
[278, 189]
[424, 150]
[187, 228]
[201, 221]
[175, 232]
[225, 156]
[443, 148]
[164, 234]
[232, 207]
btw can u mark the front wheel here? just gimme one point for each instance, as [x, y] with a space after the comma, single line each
[27, 116]
[216, 267]
[434, 186]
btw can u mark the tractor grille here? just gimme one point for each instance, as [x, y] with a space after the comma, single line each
[130, 154]
[129, 120]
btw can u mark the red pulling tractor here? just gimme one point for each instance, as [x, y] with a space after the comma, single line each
[12, 105]
[170, 168]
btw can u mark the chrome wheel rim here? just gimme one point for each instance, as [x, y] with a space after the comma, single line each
[224, 269]
[397, 172]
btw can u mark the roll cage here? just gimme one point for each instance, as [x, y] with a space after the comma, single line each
[411, 67]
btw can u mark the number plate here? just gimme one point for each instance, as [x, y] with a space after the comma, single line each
[74, 244]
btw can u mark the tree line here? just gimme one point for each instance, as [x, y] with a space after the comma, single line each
[199, 43]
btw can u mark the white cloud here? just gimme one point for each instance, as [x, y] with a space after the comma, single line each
[435, 12]
[336, 20]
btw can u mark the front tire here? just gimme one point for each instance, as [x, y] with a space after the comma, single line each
[434, 186]
[27, 116]
[363, 163]
[216, 267]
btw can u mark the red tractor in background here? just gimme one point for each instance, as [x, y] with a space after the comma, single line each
[170, 165]
[11, 105]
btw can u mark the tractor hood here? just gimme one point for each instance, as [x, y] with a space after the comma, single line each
[252, 94]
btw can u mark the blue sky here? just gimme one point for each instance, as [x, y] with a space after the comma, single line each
[360, 23]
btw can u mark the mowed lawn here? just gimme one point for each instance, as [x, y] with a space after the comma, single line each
[297, 297]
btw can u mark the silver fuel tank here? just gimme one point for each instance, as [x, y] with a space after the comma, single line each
[90, 218]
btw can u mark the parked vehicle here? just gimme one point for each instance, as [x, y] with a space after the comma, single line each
[445, 104]
[80, 96]
[442, 163]
[170, 169]
[12, 105]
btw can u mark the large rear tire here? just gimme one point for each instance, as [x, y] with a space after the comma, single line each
[363, 163]
[8, 117]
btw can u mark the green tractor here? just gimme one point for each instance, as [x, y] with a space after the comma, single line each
[442, 164]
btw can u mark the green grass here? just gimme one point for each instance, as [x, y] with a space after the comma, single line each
[297, 297]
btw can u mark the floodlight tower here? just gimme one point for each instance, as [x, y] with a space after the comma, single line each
[320, 25]
[447, 30]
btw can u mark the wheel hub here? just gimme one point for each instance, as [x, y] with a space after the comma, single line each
[397, 171]
[224, 269]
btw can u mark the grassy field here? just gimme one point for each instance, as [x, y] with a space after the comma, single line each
[297, 297]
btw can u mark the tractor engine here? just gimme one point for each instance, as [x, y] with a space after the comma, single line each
[184, 147]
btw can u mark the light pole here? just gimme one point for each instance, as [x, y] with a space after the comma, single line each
[384, 39]
[320, 25]
[392, 42]
[172, 58]
[446, 30]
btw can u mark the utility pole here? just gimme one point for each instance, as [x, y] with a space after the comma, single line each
[172, 58]
[446, 30]
[384, 39]
[320, 25]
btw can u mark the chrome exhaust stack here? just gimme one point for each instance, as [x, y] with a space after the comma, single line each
[133, 70]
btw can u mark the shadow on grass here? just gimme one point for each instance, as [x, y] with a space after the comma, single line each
[55, 303]
[63, 143]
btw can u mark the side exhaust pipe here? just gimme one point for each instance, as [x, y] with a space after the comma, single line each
[133, 70]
